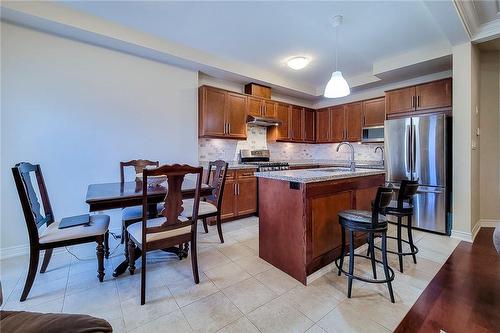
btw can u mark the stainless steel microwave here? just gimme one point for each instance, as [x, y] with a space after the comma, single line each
[373, 134]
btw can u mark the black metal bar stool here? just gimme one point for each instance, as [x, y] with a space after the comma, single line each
[371, 223]
[402, 207]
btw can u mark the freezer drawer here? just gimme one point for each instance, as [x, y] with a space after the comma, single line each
[430, 209]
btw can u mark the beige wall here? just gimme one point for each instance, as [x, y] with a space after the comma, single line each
[490, 139]
[75, 108]
[475, 116]
[462, 140]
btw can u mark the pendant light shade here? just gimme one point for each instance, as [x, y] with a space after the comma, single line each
[337, 86]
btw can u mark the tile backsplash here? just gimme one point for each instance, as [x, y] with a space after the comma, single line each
[228, 150]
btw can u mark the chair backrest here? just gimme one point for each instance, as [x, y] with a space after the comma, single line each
[139, 166]
[173, 208]
[407, 190]
[29, 200]
[382, 200]
[217, 181]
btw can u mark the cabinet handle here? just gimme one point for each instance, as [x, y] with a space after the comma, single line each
[238, 188]
[234, 189]
[225, 128]
[412, 100]
[418, 100]
[228, 128]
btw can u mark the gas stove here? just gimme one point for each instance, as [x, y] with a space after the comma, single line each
[261, 158]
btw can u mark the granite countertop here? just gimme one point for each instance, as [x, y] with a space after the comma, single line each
[234, 165]
[317, 175]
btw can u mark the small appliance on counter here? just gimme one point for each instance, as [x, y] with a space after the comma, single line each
[261, 158]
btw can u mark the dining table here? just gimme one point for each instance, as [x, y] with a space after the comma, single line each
[106, 196]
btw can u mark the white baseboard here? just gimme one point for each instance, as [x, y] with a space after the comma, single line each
[14, 251]
[470, 236]
[461, 235]
[487, 223]
[22, 250]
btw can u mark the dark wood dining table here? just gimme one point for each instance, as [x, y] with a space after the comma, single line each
[128, 194]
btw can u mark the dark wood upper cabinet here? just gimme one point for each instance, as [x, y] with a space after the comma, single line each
[255, 106]
[236, 116]
[323, 125]
[222, 114]
[212, 106]
[282, 113]
[309, 125]
[337, 121]
[296, 123]
[269, 108]
[427, 96]
[374, 112]
[434, 95]
[400, 100]
[353, 121]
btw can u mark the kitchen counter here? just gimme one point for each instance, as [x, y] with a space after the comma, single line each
[317, 175]
[299, 231]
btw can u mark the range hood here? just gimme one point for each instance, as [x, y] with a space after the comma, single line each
[263, 121]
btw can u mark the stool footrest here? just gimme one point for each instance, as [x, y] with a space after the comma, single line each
[391, 272]
[398, 253]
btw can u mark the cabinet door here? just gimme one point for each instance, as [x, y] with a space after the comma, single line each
[269, 109]
[434, 95]
[353, 121]
[228, 206]
[337, 127]
[236, 116]
[296, 123]
[246, 198]
[255, 106]
[283, 114]
[309, 125]
[323, 125]
[212, 112]
[401, 100]
[374, 112]
[326, 231]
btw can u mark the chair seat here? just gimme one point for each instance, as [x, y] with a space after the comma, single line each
[393, 208]
[135, 212]
[361, 216]
[98, 226]
[135, 230]
[205, 208]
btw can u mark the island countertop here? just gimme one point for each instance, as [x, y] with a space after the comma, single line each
[317, 175]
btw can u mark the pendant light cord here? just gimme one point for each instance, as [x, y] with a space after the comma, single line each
[336, 47]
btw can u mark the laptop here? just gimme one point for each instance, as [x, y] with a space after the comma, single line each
[74, 221]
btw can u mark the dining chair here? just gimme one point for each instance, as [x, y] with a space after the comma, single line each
[133, 214]
[212, 206]
[53, 237]
[175, 226]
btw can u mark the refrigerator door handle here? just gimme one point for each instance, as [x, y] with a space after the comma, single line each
[408, 150]
[413, 151]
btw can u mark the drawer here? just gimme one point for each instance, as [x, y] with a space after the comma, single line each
[246, 173]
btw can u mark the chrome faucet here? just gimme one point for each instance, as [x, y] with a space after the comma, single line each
[382, 150]
[352, 164]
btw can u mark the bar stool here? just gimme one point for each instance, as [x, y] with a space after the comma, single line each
[371, 223]
[402, 207]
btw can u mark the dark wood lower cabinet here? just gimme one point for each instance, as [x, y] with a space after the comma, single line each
[299, 231]
[240, 194]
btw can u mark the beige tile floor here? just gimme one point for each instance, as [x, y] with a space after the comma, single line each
[238, 292]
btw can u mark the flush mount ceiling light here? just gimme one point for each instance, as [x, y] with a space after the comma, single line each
[337, 86]
[297, 62]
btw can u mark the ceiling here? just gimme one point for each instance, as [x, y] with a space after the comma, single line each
[266, 34]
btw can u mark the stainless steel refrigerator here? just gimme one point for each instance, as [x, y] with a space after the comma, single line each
[418, 148]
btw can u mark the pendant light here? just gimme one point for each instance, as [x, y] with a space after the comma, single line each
[337, 86]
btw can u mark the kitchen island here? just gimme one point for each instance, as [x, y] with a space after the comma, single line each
[299, 231]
